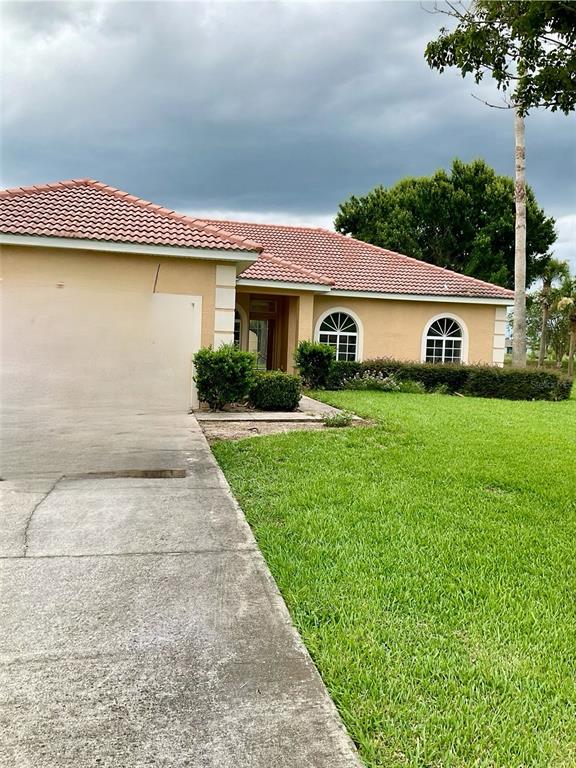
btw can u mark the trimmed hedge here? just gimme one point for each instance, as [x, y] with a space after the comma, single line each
[473, 380]
[518, 384]
[223, 375]
[275, 391]
[340, 370]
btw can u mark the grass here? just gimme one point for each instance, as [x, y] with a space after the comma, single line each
[429, 563]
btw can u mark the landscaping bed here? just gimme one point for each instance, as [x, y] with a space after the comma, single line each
[238, 430]
[429, 563]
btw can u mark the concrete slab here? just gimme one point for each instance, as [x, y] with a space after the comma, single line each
[39, 443]
[257, 416]
[312, 406]
[140, 624]
[308, 410]
[17, 508]
[111, 520]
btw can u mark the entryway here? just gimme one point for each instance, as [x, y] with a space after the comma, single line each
[266, 325]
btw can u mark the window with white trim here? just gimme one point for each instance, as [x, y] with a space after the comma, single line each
[444, 341]
[340, 331]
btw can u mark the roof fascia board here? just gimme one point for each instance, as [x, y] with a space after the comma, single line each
[284, 284]
[213, 254]
[424, 297]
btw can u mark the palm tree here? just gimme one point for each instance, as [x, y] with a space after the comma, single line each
[554, 270]
[567, 305]
[519, 327]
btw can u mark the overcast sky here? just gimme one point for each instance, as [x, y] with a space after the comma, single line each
[268, 111]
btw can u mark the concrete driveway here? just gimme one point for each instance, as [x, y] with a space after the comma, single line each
[140, 625]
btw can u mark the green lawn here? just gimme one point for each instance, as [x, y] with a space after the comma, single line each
[429, 563]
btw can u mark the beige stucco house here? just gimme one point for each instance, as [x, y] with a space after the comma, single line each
[105, 298]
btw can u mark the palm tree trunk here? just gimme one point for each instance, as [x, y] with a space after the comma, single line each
[572, 351]
[543, 333]
[519, 326]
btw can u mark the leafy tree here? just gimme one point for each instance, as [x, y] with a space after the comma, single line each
[529, 48]
[462, 220]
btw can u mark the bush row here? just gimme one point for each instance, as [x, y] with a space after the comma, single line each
[227, 375]
[475, 380]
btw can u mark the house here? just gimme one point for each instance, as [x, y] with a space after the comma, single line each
[106, 297]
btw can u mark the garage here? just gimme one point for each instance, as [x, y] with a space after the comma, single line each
[105, 298]
[69, 340]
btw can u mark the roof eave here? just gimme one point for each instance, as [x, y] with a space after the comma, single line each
[245, 258]
[283, 285]
[436, 297]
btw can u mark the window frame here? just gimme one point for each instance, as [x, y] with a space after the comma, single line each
[353, 316]
[243, 326]
[464, 337]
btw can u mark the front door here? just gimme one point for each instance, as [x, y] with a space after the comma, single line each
[261, 342]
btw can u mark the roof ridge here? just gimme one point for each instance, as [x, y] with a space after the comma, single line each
[182, 217]
[348, 238]
[34, 188]
[197, 224]
[324, 279]
[269, 224]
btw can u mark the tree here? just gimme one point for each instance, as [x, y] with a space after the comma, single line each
[555, 270]
[519, 332]
[529, 48]
[558, 327]
[566, 306]
[461, 220]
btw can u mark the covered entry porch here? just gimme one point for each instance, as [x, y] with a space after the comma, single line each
[270, 323]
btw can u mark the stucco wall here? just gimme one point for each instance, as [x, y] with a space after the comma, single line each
[392, 328]
[81, 327]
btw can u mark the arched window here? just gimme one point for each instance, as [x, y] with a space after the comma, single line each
[340, 331]
[444, 340]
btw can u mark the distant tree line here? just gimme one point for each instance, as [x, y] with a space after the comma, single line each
[551, 317]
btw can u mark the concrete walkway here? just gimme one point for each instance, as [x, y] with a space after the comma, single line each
[308, 410]
[140, 625]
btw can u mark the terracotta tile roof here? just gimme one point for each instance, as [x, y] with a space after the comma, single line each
[269, 267]
[353, 265]
[90, 210]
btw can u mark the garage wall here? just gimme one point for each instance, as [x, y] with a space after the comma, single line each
[394, 328]
[84, 328]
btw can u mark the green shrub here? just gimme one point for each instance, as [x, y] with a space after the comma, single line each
[515, 384]
[223, 375]
[313, 362]
[341, 419]
[564, 389]
[411, 387]
[275, 391]
[430, 374]
[440, 389]
[376, 382]
[476, 380]
[379, 382]
[340, 370]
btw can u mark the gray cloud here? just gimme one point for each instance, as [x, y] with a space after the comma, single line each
[277, 109]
